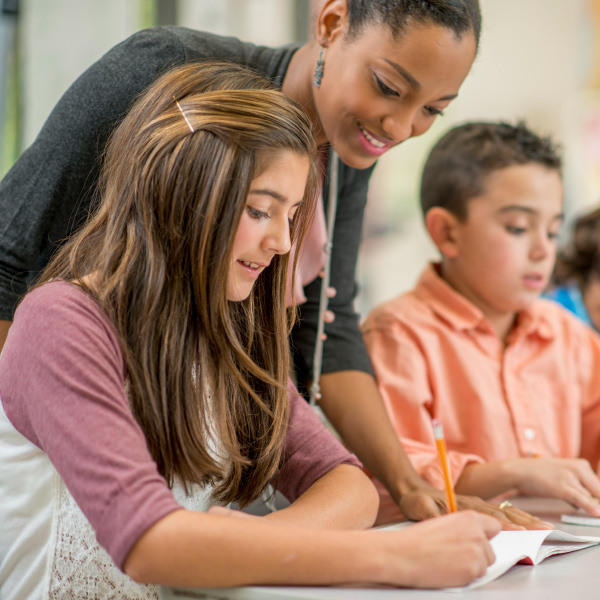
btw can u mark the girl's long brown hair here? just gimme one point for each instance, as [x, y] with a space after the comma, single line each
[158, 249]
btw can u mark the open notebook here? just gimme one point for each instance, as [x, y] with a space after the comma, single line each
[530, 548]
[510, 547]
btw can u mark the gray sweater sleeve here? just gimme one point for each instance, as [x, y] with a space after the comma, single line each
[49, 189]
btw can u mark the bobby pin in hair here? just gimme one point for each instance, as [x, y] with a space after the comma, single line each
[183, 114]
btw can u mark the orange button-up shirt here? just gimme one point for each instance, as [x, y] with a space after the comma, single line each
[435, 355]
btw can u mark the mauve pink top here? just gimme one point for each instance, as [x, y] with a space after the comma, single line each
[62, 386]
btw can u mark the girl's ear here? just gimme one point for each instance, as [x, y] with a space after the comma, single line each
[443, 228]
[332, 21]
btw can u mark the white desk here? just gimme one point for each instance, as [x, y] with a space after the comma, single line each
[557, 578]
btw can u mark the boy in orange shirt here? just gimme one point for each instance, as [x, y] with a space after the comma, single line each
[514, 379]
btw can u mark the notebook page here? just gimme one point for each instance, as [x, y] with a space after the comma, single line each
[560, 542]
[510, 547]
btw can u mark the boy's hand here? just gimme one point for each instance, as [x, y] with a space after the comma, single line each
[570, 479]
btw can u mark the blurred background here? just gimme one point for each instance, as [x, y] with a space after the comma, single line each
[539, 61]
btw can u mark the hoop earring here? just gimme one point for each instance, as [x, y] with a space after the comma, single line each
[319, 68]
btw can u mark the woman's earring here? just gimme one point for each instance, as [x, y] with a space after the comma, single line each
[319, 67]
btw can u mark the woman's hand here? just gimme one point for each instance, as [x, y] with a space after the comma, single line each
[328, 315]
[427, 501]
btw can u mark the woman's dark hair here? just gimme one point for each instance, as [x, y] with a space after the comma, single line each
[458, 164]
[461, 16]
[579, 262]
[207, 377]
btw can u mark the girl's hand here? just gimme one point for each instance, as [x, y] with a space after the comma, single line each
[448, 551]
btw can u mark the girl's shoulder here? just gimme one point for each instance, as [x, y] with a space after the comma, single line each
[60, 318]
[58, 297]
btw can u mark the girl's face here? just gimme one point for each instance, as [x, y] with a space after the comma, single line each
[264, 228]
[377, 92]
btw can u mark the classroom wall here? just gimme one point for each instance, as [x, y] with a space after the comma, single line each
[60, 39]
[268, 22]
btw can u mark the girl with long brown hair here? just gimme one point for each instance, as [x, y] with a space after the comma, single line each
[373, 74]
[144, 383]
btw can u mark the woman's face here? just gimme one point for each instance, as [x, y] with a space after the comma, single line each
[264, 227]
[377, 92]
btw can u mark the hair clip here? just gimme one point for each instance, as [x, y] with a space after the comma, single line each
[183, 115]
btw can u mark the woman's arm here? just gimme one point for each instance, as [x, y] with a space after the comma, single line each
[210, 550]
[352, 402]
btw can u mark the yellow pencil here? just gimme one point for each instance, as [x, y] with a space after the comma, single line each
[440, 442]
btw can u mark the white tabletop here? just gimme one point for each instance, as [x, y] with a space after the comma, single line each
[556, 578]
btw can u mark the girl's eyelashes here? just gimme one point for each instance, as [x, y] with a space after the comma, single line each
[383, 88]
[260, 214]
[257, 214]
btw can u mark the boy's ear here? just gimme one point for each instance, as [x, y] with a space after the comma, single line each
[443, 230]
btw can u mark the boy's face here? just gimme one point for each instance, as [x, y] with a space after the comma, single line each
[504, 252]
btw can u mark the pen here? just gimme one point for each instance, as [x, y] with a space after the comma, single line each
[438, 434]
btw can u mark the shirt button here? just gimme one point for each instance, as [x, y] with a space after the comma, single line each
[529, 434]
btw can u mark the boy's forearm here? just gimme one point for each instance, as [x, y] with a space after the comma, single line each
[485, 480]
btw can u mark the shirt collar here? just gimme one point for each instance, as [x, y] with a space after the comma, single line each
[461, 314]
